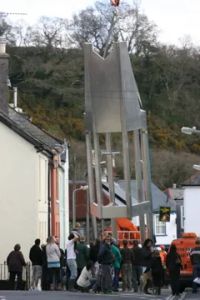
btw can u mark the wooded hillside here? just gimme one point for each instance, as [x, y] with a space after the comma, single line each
[46, 65]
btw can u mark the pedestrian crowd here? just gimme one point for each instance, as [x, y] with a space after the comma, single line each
[99, 267]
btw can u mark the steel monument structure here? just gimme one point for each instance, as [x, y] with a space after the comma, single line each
[113, 105]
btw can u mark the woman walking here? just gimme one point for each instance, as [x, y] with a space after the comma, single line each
[146, 254]
[15, 262]
[53, 263]
[173, 263]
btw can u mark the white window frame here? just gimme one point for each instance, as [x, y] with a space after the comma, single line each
[161, 225]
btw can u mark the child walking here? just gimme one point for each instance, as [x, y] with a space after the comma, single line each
[157, 272]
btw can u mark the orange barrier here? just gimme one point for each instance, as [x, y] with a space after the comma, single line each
[184, 246]
[126, 230]
[127, 226]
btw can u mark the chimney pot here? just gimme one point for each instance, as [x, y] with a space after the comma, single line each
[4, 57]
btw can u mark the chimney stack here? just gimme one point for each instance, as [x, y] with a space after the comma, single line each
[4, 57]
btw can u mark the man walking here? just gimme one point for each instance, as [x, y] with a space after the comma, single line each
[71, 260]
[127, 261]
[195, 260]
[35, 256]
[136, 267]
[106, 259]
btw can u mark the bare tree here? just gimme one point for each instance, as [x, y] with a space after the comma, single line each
[139, 33]
[48, 32]
[6, 30]
[104, 24]
[19, 30]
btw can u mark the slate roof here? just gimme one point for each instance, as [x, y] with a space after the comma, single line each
[159, 198]
[24, 127]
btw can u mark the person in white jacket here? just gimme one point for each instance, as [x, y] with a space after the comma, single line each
[85, 280]
[71, 260]
[53, 263]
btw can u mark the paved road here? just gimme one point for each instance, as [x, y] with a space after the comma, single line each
[191, 296]
[187, 295]
[19, 295]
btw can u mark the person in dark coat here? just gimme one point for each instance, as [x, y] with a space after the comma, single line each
[94, 250]
[157, 272]
[195, 260]
[126, 266]
[146, 263]
[82, 254]
[45, 275]
[35, 256]
[106, 259]
[136, 267]
[173, 263]
[15, 262]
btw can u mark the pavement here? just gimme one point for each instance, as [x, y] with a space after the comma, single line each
[65, 295]
[48, 295]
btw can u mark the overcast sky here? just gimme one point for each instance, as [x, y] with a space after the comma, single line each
[175, 18]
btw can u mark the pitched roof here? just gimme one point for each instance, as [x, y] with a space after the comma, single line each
[25, 128]
[159, 198]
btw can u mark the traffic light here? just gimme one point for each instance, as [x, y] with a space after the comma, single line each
[115, 2]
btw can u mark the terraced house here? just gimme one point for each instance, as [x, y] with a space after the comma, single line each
[33, 177]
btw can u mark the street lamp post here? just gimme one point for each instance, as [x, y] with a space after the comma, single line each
[196, 167]
[190, 130]
[81, 188]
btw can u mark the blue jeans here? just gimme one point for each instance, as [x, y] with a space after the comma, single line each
[71, 263]
[116, 278]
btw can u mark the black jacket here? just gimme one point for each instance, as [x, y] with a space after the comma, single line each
[173, 262]
[15, 261]
[137, 256]
[127, 256]
[105, 256]
[146, 256]
[35, 255]
[156, 265]
[157, 271]
[94, 250]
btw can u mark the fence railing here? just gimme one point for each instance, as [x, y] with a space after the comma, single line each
[126, 235]
[4, 274]
[26, 274]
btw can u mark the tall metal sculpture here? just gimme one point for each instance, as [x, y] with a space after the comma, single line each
[113, 105]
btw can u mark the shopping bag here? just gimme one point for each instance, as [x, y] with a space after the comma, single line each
[197, 280]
